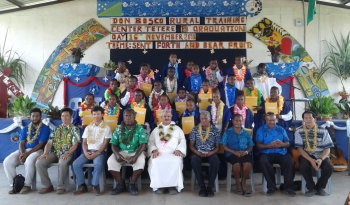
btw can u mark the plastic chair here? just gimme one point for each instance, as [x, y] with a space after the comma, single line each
[139, 184]
[318, 175]
[76, 102]
[66, 180]
[278, 174]
[229, 178]
[102, 179]
[98, 100]
[193, 179]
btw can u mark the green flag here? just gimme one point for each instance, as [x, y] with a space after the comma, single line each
[311, 11]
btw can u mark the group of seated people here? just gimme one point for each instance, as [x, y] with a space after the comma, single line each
[219, 135]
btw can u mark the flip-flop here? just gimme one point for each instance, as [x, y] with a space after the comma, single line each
[248, 193]
[239, 191]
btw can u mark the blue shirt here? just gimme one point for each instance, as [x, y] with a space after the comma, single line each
[237, 142]
[265, 136]
[43, 136]
[210, 143]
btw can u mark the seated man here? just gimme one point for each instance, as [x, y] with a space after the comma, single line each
[32, 141]
[167, 146]
[315, 156]
[128, 143]
[204, 144]
[62, 143]
[272, 140]
[261, 72]
[237, 144]
[95, 140]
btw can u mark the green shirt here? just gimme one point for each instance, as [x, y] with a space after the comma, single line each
[138, 139]
[63, 138]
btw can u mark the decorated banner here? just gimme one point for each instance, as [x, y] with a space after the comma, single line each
[49, 78]
[10, 85]
[151, 8]
[282, 70]
[291, 50]
[78, 70]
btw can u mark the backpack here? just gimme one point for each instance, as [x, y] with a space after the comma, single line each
[18, 183]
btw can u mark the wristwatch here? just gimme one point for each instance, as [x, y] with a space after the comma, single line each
[246, 152]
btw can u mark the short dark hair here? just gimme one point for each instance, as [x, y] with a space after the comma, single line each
[171, 68]
[181, 89]
[114, 95]
[216, 91]
[67, 109]
[205, 81]
[139, 91]
[129, 110]
[144, 64]
[213, 59]
[120, 62]
[239, 94]
[157, 81]
[96, 109]
[261, 65]
[230, 75]
[308, 112]
[89, 94]
[191, 99]
[250, 79]
[133, 77]
[276, 88]
[269, 114]
[36, 110]
[236, 115]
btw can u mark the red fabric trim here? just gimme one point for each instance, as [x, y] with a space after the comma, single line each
[289, 80]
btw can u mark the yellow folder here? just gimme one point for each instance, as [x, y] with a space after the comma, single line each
[147, 88]
[187, 124]
[111, 121]
[204, 101]
[140, 115]
[250, 102]
[180, 107]
[87, 117]
[159, 118]
[172, 97]
[271, 107]
[122, 88]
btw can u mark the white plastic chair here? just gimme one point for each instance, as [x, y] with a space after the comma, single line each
[139, 185]
[193, 179]
[75, 102]
[318, 175]
[98, 100]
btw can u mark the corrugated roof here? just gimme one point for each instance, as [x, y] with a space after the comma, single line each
[7, 6]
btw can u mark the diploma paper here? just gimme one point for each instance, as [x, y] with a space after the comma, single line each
[147, 88]
[187, 124]
[122, 88]
[250, 102]
[204, 101]
[140, 115]
[111, 121]
[87, 117]
[271, 107]
[171, 96]
[180, 107]
[159, 118]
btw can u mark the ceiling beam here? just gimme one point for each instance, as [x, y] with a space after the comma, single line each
[15, 3]
[33, 6]
[341, 5]
[346, 1]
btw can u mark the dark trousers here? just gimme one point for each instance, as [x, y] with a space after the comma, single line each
[214, 164]
[306, 170]
[287, 167]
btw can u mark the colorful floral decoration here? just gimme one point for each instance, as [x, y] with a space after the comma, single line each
[94, 89]
[196, 83]
[211, 76]
[217, 113]
[170, 88]
[112, 110]
[239, 77]
[154, 99]
[15, 137]
[109, 91]
[253, 93]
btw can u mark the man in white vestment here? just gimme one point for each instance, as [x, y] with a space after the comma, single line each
[167, 148]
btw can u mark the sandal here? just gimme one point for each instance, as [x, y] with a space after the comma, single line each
[239, 191]
[248, 193]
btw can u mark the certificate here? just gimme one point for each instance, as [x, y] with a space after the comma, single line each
[204, 101]
[180, 107]
[122, 88]
[147, 88]
[159, 118]
[87, 117]
[140, 115]
[271, 107]
[111, 121]
[172, 97]
[250, 102]
[187, 124]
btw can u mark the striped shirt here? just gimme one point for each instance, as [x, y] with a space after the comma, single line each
[324, 141]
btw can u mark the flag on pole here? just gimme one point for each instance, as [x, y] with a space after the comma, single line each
[311, 11]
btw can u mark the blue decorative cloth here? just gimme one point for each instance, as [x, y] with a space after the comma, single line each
[15, 137]
[43, 136]
[78, 70]
[237, 142]
[265, 136]
[94, 89]
[282, 70]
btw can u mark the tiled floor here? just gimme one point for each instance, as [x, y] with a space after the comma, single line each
[340, 186]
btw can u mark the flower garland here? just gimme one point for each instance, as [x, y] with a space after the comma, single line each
[178, 99]
[243, 112]
[231, 94]
[239, 77]
[109, 91]
[112, 110]
[308, 147]
[140, 104]
[132, 94]
[280, 102]
[30, 132]
[147, 79]
[196, 83]
[253, 93]
[217, 113]
[151, 73]
[124, 140]
[124, 77]
[162, 135]
[202, 91]
[61, 137]
[159, 107]
[84, 107]
[211, 76]
[91, 139]
[172, 86]
[206, 136]
[154, 98]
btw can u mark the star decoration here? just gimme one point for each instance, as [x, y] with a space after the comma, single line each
[203, 68]
[283, 66]
[105, 79]
[74, 66]
[224, 61]
[129, 61]
[144, 51]
[156, 71]
[178, 61]
[212, 51]
[77, 79]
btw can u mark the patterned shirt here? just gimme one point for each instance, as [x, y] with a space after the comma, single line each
[138, 139]
[237, 142]
[265, 136]
[210, 143]
[324, 141]
[63, 138]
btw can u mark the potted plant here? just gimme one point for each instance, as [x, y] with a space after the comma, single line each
[275, 53]
[21, 107]
[344, 107]
[77, 54]
[53, 112]
[109, 67]
[323, 107]
[246, 62]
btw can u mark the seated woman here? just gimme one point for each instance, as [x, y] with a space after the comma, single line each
[240, 108]
[237, 144]
[167, 147]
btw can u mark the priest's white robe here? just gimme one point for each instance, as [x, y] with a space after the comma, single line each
[166, 169]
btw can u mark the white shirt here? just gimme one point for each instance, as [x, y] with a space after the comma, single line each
[98, 133]
[239, 84]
